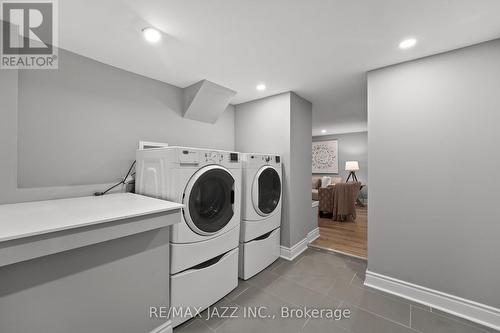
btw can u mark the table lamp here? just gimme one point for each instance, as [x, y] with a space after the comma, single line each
[352, 167]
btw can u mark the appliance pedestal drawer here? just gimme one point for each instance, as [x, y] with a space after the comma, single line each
[202, 285]
[259, 253]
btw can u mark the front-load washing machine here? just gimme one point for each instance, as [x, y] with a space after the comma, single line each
[204, 245]
[261, 213]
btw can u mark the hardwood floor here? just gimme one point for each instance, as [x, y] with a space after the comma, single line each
[347, 237]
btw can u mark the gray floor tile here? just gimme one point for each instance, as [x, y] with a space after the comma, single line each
[293, 292]
[255, 297]
[322, 280]
[276, 263]
[322, 326]
[327, 258]
[217, 314]
[303, 274]
[193, 326]
[381, 305]
[397, 298]
[358, 281]
[258, 297]
[461, 320]
[308, 251]
[263, 279]
[317, 283]
[328, 302]
[184, 324]
[358, 260]
[390, 308]
[284, 267]
[244, 325]
[242, 286]
[357, 268]
[429, 322]
[309, 266]
[362, 321]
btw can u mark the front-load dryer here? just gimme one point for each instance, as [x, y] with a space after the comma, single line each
[204, 245]
[261, 213]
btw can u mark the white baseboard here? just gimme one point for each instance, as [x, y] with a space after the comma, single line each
[479, 313]
[290, 253]
[313, 235]
[164, 328]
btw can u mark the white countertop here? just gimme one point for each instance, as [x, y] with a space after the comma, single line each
[41, 217]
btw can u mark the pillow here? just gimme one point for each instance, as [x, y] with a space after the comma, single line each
[325, 181]
[336, 180]
[316, 183]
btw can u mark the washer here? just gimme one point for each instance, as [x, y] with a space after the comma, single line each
[261, 213]
[204, 246]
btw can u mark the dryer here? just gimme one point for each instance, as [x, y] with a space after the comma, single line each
[261, 213]
[204, 245]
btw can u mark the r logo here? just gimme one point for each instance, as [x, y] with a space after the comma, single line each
[27, 27]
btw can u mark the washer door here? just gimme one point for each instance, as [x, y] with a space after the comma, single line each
[209, 200]
[266, 190]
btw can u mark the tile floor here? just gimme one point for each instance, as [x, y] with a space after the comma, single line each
[319, 279]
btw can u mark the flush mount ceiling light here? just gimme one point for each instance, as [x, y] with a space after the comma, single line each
[261, 87]
[408, 43]
[151, 35]
[323, 131]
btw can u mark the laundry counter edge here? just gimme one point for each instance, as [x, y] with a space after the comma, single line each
[35, 229]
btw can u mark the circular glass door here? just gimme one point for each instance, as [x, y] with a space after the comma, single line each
[266, 191]
[209, 199]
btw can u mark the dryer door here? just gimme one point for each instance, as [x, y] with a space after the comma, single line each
[209, 200]
[266, 190]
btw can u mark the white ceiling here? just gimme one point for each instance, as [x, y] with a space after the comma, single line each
[321, 49]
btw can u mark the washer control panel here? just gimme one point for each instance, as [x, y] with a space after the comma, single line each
[197, 156]
[213, 157]
[220, 157]
[256, 159]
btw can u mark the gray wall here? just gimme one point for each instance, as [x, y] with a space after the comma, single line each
[64, 130]
[300, 159]
[105, 287]
[273, 125]
[263, 126]
[352, 147]
[432, 123]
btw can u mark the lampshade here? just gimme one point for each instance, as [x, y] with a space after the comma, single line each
[351, 166]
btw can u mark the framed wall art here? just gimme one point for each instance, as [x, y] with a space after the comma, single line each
[325, 156]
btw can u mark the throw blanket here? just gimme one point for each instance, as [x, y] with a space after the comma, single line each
[344, 201]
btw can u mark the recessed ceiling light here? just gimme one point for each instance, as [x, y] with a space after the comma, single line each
[261, 87]
[408, 43]
[323, 131]
[151, 35]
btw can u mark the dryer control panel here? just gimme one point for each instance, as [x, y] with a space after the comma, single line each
[256, 160]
